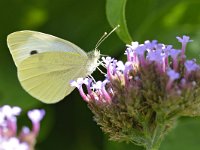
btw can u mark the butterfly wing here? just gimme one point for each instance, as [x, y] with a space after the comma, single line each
[46, 76]
[24, 43]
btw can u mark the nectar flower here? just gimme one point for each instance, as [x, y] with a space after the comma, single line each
[141, 99]
[9, 139]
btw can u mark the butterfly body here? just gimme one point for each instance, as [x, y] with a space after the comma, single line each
[46, 64]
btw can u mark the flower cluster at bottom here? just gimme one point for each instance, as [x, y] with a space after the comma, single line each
[141, 99]
[9, 138]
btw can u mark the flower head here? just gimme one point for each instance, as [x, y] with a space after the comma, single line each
[146, 94]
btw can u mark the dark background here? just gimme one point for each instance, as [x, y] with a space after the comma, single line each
[69, 124]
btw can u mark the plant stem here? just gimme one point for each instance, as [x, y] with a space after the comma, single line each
[155, 140]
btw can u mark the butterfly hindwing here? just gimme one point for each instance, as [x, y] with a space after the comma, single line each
[46, 76]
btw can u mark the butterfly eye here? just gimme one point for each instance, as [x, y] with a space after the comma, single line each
[33, 52]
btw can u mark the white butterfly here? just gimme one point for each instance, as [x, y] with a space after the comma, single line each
[46, 64]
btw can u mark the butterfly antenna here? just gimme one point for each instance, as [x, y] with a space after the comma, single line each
[105, 35]
[101, 40]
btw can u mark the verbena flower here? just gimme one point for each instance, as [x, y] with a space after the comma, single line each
[10, 138]
[140, 100]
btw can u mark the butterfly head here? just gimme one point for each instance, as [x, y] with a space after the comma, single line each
[93, 63]
[93, 56]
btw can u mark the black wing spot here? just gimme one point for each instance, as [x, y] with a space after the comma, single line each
[33, 52]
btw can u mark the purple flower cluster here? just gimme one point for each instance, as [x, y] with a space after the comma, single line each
[141, 99]
[9, 137]
[164, 60]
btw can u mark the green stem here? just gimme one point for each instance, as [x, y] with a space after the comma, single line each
[155, 140]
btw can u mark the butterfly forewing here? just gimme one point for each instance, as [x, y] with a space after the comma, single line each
[23, 44]
[47, 78]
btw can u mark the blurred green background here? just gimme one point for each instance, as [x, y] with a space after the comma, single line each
[69, 124]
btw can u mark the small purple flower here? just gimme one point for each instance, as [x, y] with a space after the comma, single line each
[191, 65]
[159, 58]
[128, 68]
[78, 84]
[140, 50]
[155, 56]
[184, 40]
[168, 48]
[88, 82]
[130, 52]
[150, 45]
[13, 144]
[172, 76]
[133, 45]
[107, 60]
[106, 95]
[36, 116]
[97, 85]
[174, 53]
[111, 69]
[102, 92]
[120, 66]
[9, 140]
[10, 112]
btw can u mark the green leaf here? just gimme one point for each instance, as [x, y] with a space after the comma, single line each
[184, 137]
[115, 11]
